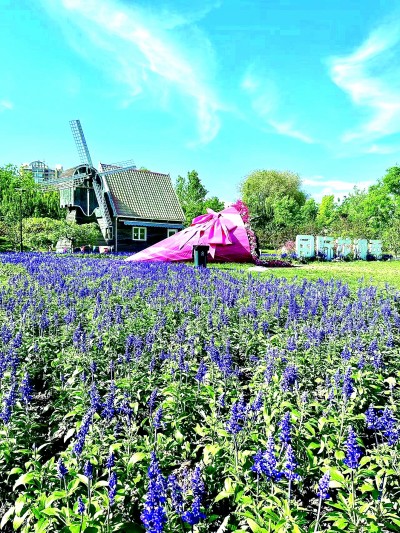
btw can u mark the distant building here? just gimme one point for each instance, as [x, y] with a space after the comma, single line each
[41, 172]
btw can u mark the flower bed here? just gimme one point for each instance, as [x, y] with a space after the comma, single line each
[159, 397]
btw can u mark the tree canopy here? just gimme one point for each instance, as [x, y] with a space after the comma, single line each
[34, 201]
[280, 210]
[192, 196]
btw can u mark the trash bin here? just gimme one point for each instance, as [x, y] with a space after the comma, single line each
[200, 252]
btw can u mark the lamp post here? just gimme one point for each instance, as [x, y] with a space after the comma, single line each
[20, 218]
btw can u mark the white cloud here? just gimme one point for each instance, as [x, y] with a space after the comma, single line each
[140, 49]
[266, 102]
[6, 105]
[381, 149]
[370, 76]
[318, 186]
[287, 128]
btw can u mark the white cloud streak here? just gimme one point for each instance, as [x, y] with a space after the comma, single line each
[140, 49]
[319, 186]
[6, 105]
[287, 128]
[265, 101]
[370, 76]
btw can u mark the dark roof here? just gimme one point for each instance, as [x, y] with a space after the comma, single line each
[143, 194]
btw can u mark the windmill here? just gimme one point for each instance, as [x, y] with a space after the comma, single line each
[83, 188]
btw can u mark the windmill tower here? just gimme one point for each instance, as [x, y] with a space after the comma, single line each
[103, 215]
[83, 190]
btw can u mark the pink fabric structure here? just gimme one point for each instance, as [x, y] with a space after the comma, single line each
[224, 232]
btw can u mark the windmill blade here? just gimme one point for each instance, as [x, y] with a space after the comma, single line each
[80, 141]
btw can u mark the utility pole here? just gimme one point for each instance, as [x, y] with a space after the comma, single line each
[21, 247]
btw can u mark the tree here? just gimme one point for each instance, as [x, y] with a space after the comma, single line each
[36, 202]
[391, 180]
[262, 190]
[309, 211]
[80, 234]
[326, 212]
[192, 197]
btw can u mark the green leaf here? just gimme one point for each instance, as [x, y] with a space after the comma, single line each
[25, 479]
[311, 430]
[19, 520]
[367, 487]
[6, 517]
[69, 434]
[337, 476]
[223, 494]
[50, 511]
[56, 495]
[178, 436]
[19, 504]
[16, 470]
[41, 526]
[136, 458]
[341, 523]
[101, 483]
[255, 527]
[200, 431]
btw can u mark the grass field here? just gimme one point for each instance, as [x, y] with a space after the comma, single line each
[354, 273]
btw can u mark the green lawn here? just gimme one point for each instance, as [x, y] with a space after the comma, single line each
[368, 272]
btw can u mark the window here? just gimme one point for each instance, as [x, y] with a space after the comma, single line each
[171, 232]
[139, 234]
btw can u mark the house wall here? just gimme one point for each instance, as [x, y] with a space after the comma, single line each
[126, 244]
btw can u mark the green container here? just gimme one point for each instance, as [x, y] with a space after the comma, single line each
[200, 252]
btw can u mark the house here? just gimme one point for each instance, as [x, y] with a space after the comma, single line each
[134, 208]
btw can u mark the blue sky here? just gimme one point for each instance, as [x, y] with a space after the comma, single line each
[223, 87]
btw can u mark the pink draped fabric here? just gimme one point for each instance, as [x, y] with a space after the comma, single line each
[224, 232]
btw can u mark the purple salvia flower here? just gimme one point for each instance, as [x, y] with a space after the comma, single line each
[353, 452]
[26, 389]
[81, 506]
[108, 407]
[259, 465]
[154, 515]
[289, 378]
[337, 378]
[110, 461]
[346, 354]
[152, 400]
[112, 489]
[238, 417]
[62, 470]
[157, 418]
[198, 487]
[88, 470]
[323, 486]
[387, 424]
[371, 419]
[290, 465]
[201, 372]
[194, 516]
[257, 404]
[285, 429]
[95, 400]
[347, 388]
[176, 493]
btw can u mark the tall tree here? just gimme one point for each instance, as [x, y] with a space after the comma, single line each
[192, 196]
[263, 191]
[326, 212]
